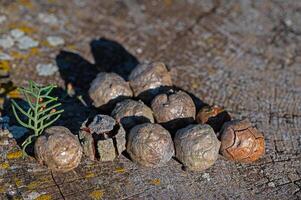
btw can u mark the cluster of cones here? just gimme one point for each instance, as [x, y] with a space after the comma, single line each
[153, 122]
[161, 121]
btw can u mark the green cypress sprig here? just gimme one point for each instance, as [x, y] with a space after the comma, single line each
[42, 111]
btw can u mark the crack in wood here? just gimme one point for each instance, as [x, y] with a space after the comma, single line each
[58, 187]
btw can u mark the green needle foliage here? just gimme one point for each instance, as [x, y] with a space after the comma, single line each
[42, 110]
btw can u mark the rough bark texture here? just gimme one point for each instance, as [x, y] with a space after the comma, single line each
[243, 55]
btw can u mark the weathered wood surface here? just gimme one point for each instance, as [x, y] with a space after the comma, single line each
[241, 55]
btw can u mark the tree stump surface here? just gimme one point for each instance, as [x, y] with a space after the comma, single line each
[243, 55]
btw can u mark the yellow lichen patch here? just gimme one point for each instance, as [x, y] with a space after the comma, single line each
[24, 56]
[33, 185]
[71, 47]
[155, 181]
[8, 89]
[18, 182]
[168, 2]
[51, 10]
[4, 165]
[23, 27]
[44, 197]
[34, 51]
[14, 94]
[14, 155]
[96, 194]
[45, 43]
[44, 180]
[18, 55]
[1, 102]
[52, 1]
[90, 175]
[26, 3]
[120, 170]
[2, 190]
[194, 84]
[4, 66]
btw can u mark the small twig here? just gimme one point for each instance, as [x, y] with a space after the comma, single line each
[81, 99]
